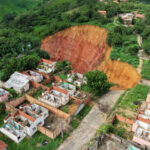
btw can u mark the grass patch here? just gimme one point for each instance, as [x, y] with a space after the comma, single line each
[84, 112]
[35, 142]
[65, 109]
[146, 69]
[63, 76]
[37, 94]
[49, 84]
[138, 93]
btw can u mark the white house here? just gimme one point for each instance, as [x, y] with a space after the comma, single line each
[19, 82]
[76, 78]
[34, 76]
[56, 97]
[24, 122]
[46, 66]
[67, 86]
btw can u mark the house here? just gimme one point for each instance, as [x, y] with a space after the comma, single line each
[67, 86]
[136, 15]
[141, 127]
[4, 95]
[24, 122]
[33, 75]
[56, 97]
[19, 82]
[77, 79]
[127, 18]
[103, 12]
[3, 146]
[46, 66]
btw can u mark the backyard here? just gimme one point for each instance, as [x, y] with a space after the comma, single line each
[37, 141]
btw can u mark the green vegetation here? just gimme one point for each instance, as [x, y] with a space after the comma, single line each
[146, 69]
[35, 142]
[125, 47]
[62, 76]
[38, 93]
[2, 108]
[63, 66]
[84, 112]
[16, 7]
[138, 93]
[97, 82]
[65, 109]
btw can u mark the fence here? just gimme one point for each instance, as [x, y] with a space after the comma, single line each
[49, 133]
[56, 111]
[123, 119]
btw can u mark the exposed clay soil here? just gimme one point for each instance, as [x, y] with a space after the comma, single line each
[85, 47]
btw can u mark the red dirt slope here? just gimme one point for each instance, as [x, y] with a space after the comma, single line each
[84, 46]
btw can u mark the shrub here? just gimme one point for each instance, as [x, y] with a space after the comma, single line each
[2, 108]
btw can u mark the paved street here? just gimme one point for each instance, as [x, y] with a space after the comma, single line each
[87, 129]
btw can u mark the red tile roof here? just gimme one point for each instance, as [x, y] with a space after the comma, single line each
[60, 90]
[46, 61]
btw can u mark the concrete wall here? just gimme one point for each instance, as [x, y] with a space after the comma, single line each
[56, 111]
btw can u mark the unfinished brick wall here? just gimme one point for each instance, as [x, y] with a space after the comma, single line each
[10, 108]
[56, 111]
[46, 132]
[76, 100]
[38, 86]
[123, 119]
[143, 120]
[16, 102]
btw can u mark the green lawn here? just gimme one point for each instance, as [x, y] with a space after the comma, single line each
[37, 94]
[146, 69]
[138, 93]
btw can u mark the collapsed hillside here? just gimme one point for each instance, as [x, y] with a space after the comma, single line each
[85, 47]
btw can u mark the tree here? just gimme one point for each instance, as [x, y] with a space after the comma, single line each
[2, 108]
[63, 66]
[133, 49]
[146, 47]
[97, 82]
[146, 33]
[43, 54]
[139, 26]
[148, 18]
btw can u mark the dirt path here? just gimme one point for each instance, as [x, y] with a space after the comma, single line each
[87, 129]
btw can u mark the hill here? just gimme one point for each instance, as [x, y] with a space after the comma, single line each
[10, 6]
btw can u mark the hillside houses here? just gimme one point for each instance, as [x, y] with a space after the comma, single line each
[33, 75]
[46, 66]
[56, 97]
[76, 78]
[24, 122]
[141, 127]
